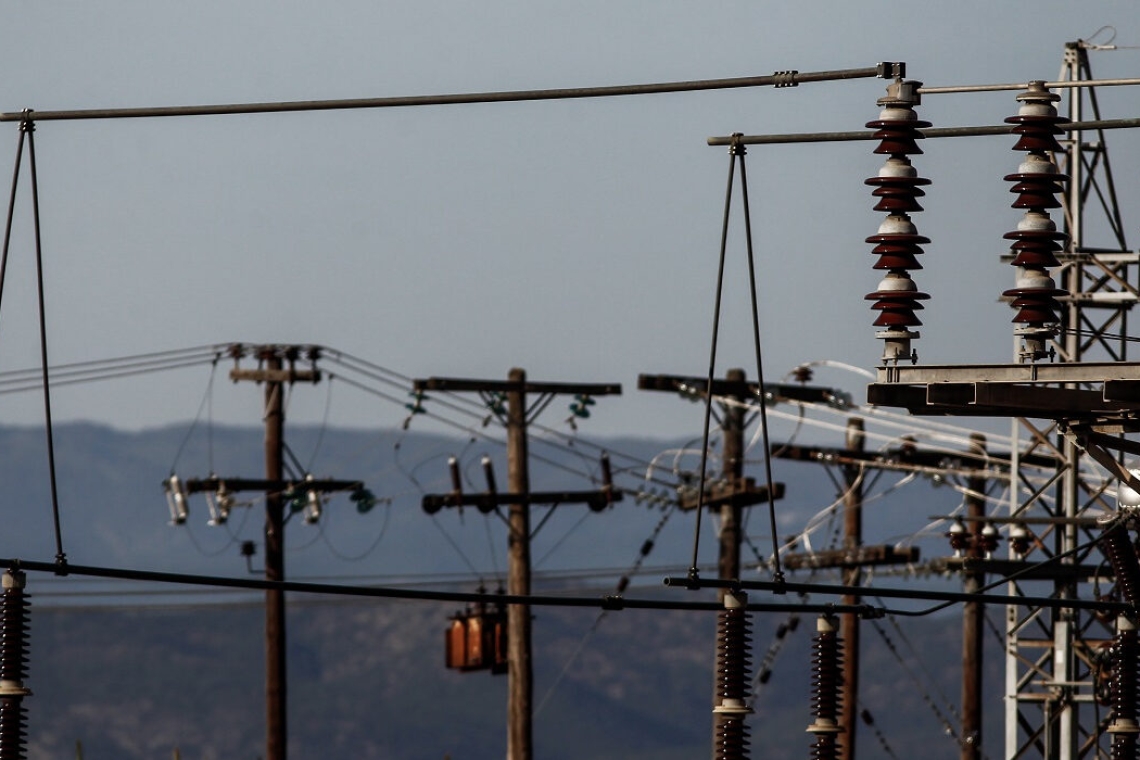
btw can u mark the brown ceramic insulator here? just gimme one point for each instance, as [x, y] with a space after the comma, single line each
[897, 314]
[897, 189]
[1036, 191]
[896, 300]
[1124, 652]
[895, 196]
[827, 675]
[1116, 544]
[901, 260]
[898, 137]
[731, 739]
[734, 659]
[13, 634]
[1039, 252]
[1037, 133]
[13, 727]
[1034, 308]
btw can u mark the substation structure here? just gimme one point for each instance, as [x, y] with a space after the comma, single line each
[1071, 394]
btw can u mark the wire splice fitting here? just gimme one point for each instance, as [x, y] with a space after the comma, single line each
[732, 678]
[897, 242]
[1036, 240]
[827, 677]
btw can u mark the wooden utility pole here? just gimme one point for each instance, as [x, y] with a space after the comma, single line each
[520, 672]
[732, 468]
[852, 576]
[973, 614]
[273, 372]
[737, 493]
[276, 683]
[520, 668]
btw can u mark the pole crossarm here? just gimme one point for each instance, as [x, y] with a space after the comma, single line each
[786, 587]
[908, 459]
[487, 502]
[276, 375]
[1029, 571]
[860, 556]
[234, 485]
[775, 392]
[742, 492]
[459, 385]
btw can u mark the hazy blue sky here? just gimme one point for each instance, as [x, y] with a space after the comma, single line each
[576, 239]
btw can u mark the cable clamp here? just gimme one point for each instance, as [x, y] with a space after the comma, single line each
[786, 78]
[613, 602]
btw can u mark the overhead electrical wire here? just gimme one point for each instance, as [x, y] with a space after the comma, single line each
[779, 79]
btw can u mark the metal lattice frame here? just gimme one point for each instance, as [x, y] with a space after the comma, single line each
[1053, 656]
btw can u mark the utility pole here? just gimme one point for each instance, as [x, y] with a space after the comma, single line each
[737, 492]
[852, 576]
[276, 369]
[973, 613]
[520, 672]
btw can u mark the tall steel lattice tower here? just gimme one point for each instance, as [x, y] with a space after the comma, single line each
[1056, 679]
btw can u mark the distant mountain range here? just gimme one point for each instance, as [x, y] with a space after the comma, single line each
[134, 671]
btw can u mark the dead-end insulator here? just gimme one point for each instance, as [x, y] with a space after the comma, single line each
[1037, 183]
[13, 665]
[732, 678]
[897, 243]
[827, 678]
[1123, 725]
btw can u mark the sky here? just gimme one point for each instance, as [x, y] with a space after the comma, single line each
[577, 239]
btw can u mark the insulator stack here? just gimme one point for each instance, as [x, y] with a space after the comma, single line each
[897, 243]
[13, 666]
[827, 678]
[1117, 546]
[1123, 727]
[733, 663]
[1036, 240]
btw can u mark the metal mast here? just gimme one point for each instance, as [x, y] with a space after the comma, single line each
[1051, 655]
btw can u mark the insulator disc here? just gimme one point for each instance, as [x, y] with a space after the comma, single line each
[1036, 314]
[893, 204]
[1038, 141]
[1040, 235]
[907, 124]
[896, 296]
[914, 182]
[1033, 294]
[894, 246]
[897, 144]
[899, 261]
[1035, 258]
[1055, 178]
[897, 239]
[897, 319]
[1040, 122]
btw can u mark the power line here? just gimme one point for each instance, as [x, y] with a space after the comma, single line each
[779, 79]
